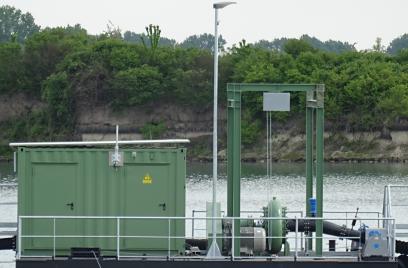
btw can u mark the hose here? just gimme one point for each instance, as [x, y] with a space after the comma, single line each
[328, 228]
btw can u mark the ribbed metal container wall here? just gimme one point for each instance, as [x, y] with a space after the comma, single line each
[80, 182]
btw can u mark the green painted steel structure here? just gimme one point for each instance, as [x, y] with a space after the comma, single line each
[79, 182]
[314, 113]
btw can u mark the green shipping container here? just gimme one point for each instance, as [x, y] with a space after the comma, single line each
[80, 182]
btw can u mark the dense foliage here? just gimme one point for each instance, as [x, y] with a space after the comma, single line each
[66, 68]
[16, 25]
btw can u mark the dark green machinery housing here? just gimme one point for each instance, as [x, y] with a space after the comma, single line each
[81, 181]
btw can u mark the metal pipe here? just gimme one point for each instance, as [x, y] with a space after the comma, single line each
[95, 143]
[15, 162]
[214, 245]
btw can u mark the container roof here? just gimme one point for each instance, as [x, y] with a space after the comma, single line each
[96, 143]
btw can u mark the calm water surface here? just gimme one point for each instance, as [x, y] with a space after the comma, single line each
[346, 187]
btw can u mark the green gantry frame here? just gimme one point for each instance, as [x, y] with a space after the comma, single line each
[314, 112]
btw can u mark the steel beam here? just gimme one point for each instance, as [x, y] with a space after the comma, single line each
[319, 177]
[234, 162]
[264, 87]
[309, 165]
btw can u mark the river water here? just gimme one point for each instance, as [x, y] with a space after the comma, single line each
[346, 187]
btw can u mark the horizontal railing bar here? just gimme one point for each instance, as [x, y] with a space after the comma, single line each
[2, 233]
[90, 143]
[401, 234]
[196, 218]
[8, 224]
[172, 237]
[8, 184]
[401, 226]
[8, 203]
[396, 186]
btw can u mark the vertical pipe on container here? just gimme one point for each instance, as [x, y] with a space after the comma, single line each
[118, 238]
[54, 233]
[15, 162]
[319, 178]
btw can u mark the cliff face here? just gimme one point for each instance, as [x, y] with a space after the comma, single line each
[195, 123]
[14, 106]
[179, 121]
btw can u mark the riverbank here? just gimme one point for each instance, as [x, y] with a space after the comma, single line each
[367, 147]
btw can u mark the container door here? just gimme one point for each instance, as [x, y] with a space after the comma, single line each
[53, 194]
[146, 194]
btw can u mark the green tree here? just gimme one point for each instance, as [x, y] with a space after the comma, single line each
[14, 24]
[11, 67]
[60, 104]
[394, 104]
[45, 50]
[203, 41]
[136, 38]
[295, 47]
[398, 44]
[136, 86]
[153, 33]
[378, 46]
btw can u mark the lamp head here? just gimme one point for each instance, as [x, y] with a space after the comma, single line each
[220, 5]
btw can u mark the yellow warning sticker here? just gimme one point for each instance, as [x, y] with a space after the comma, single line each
[147, 179]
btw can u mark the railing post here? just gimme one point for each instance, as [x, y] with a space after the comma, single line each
[118, 238]
[233, 240]
[192, 224]
[168, 240]
[301, 234]
[395, 240]
[53, 247]
[296, 237]
[19, 245]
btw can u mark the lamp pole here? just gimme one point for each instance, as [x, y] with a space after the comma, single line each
[214, 250]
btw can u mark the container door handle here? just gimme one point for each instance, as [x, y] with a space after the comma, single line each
[71, 205]
[163, 206]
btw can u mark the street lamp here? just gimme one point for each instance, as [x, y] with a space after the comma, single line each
[214, 250]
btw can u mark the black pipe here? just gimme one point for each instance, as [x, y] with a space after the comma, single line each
[202, 244]
[328, 228]
[401, 247]
[8, 243]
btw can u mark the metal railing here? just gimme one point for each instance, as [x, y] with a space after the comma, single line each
[7, 225]
[167, 253]
[389, 212]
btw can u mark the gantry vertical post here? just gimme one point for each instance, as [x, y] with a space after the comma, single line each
[319, 166]
[309, 165]
[234, 161]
